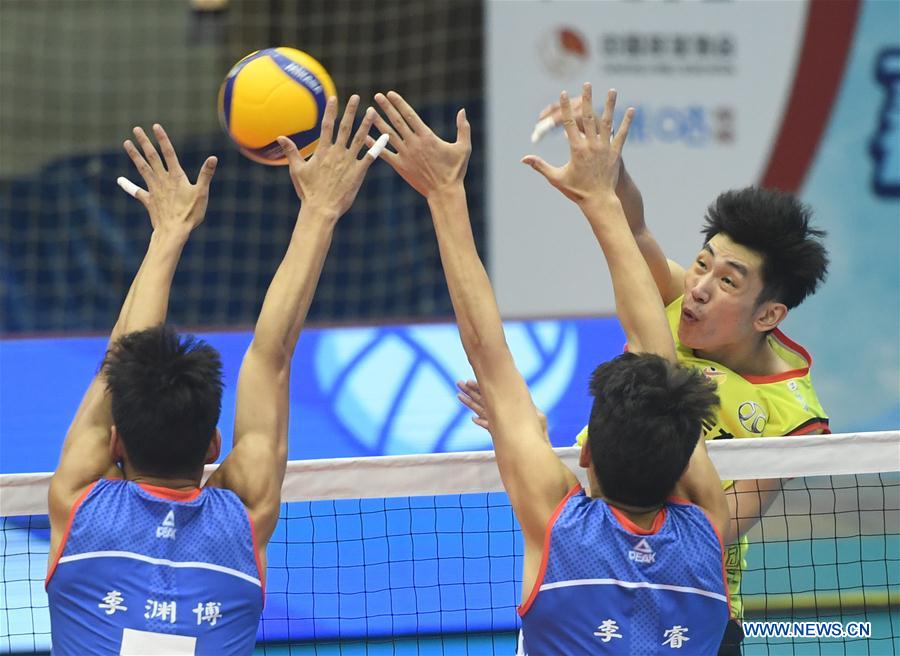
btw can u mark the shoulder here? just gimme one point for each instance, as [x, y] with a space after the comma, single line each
[574, 506]
[696, 520]
[794, 407]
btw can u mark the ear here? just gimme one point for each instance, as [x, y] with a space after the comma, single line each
[769, 315]
[116, 448]
[584, 458]
[215, 448]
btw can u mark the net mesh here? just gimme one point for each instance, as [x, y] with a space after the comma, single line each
[439, 571]
[76, 76]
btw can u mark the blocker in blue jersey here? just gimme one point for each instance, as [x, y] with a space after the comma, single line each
[143, 560]
[178, 563]
[629, 569]
[639, 591]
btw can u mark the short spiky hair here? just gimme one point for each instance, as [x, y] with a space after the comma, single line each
[777, 226]
[166, 393]
[645, 422]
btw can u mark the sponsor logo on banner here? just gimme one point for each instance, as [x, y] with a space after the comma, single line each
[663, 53]
[688, 125]
[564, 50]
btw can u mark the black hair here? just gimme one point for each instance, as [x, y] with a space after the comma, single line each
[776, 225]
[166, 393]
[645, 422]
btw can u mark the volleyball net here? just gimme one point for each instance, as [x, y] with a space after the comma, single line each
[422, 554]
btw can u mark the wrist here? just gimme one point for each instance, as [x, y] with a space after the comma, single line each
[317, 215]
[599, 202]
[169, 239]
[447, 193]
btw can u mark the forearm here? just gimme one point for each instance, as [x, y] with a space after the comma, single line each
[147, 302]
[292, 289]
[632, 201]
[477, 315]
[145, 306]
[638, 303]
[633, 206]
[748, 501]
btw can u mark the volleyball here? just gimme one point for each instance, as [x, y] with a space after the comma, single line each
[273, 92]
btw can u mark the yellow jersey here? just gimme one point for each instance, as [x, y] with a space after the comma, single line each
[753, 406]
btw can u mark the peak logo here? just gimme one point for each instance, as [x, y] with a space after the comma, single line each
[642, 553]
[167, 528]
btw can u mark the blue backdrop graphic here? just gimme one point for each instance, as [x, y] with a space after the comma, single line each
[354, 391]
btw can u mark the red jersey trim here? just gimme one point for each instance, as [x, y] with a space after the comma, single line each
[791, 345]
[259, 568]
[169, 493]
[631, 527]
[545, 554]
[811, 426]
[65, 538]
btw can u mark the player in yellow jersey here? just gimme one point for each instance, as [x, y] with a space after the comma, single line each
[760, 258]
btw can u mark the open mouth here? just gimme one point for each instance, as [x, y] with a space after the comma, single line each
[688, 315]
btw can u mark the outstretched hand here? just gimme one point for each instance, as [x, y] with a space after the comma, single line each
[331, 178]
[175, 204]
[424, 160]
[595, 155]
[470, 396]
[550, 118]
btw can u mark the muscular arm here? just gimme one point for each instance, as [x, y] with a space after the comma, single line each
[668, 275]
[639, 304]
[327, 185]
[534, 478]
[700, 484]
[532, 475]
[748, 501]
[176, 207]
[255, 468]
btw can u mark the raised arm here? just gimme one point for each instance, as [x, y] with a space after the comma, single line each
[589, 179]
[327, 184]
[668, 275]
[175, 207]
[533, 476]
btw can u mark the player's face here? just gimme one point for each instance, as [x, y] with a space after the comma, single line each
[720, 292]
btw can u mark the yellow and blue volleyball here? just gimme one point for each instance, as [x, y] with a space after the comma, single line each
[273, 92]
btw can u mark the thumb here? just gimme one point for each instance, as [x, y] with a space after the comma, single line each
[541, 167]
[289, 148]
[206, 172]
[463, 129]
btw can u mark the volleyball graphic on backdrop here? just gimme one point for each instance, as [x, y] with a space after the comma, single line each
[273, 92]
[393, 390]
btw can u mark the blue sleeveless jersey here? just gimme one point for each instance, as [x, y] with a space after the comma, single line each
[608, 587]
[139, 573]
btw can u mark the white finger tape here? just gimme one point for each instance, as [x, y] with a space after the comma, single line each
[541, 129]
[379, 145]
[128, 186]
